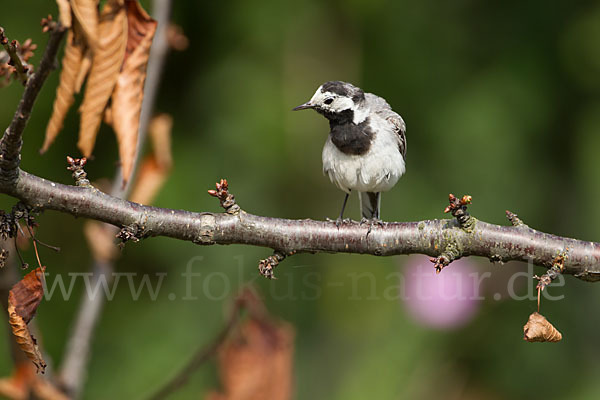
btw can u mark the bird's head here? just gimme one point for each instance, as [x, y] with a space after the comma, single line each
[338, 100]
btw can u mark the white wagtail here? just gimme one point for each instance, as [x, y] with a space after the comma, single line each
[366, 146]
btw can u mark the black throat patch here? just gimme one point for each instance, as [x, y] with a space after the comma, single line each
[351, 138]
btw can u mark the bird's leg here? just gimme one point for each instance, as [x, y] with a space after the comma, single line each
[340, 219]
[375, 220]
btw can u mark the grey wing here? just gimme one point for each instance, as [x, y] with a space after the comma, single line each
[400, 129]
[381, 107]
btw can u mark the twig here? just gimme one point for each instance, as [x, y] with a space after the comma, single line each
[24, 265]
[202, 355]
[226, 199]
[76, 165]
[128, 233]
[246, 300]
[451, 249]
[558, 266]
[11, 48]
[514, 219]
[266, 266]
[458, 209]
[12, 140]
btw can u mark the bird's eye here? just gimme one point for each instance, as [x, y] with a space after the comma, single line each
[328, 101]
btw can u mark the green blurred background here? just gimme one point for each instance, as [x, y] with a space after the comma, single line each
[501, 102]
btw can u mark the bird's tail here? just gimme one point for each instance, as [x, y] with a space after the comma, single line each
[369, 204]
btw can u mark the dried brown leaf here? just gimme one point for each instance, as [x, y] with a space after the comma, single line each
[101, 240]
[25, 384]
[13, 390]
[16, 387]
[84, 69]
[25, 340]
[176, 38]
[155, 168]
[108, 115]
[71, 63]
[27, 294]
[129, 90]
[45, 390]
[160, 129]
[64, 13]
[107, 61]
[86, 13]
[23, 300]
[256, 363]
[539, 329]
[150, 179]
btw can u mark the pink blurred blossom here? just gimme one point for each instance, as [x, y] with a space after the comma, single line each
[442, 301]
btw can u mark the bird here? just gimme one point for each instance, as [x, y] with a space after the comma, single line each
[366, 147]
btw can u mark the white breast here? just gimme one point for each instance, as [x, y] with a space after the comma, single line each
[376, 171]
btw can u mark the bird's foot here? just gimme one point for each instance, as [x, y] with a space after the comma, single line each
[371, 222]
[339, 221]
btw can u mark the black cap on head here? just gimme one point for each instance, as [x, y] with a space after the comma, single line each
[344, 89]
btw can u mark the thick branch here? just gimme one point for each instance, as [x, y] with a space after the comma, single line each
[433, 237]
[12, 140]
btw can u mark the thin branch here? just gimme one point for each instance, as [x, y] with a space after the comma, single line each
[246, 300]
[198, 359]
[73, 371]
[432, 237]
[12, 140]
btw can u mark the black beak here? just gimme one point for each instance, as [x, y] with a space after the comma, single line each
[303, 106]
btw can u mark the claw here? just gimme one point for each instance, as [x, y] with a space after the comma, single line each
[371, 222]
[340, 221]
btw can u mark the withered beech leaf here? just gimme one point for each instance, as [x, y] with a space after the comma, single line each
[101, 240]
[108, 119]
[256, 362]
[23, 300]
[44, 389]
[64, 13]
[176, 38]
[86, 13]
[25, 340]
[16, 386]
[27, 294]
[14, 390]
[129, 90]
[159, 129]
[149, 180]
[106, 64]
[539, 329]
[71, 64]
[25, 384]
[84, 69]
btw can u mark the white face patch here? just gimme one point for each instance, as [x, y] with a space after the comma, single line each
[335, 103]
